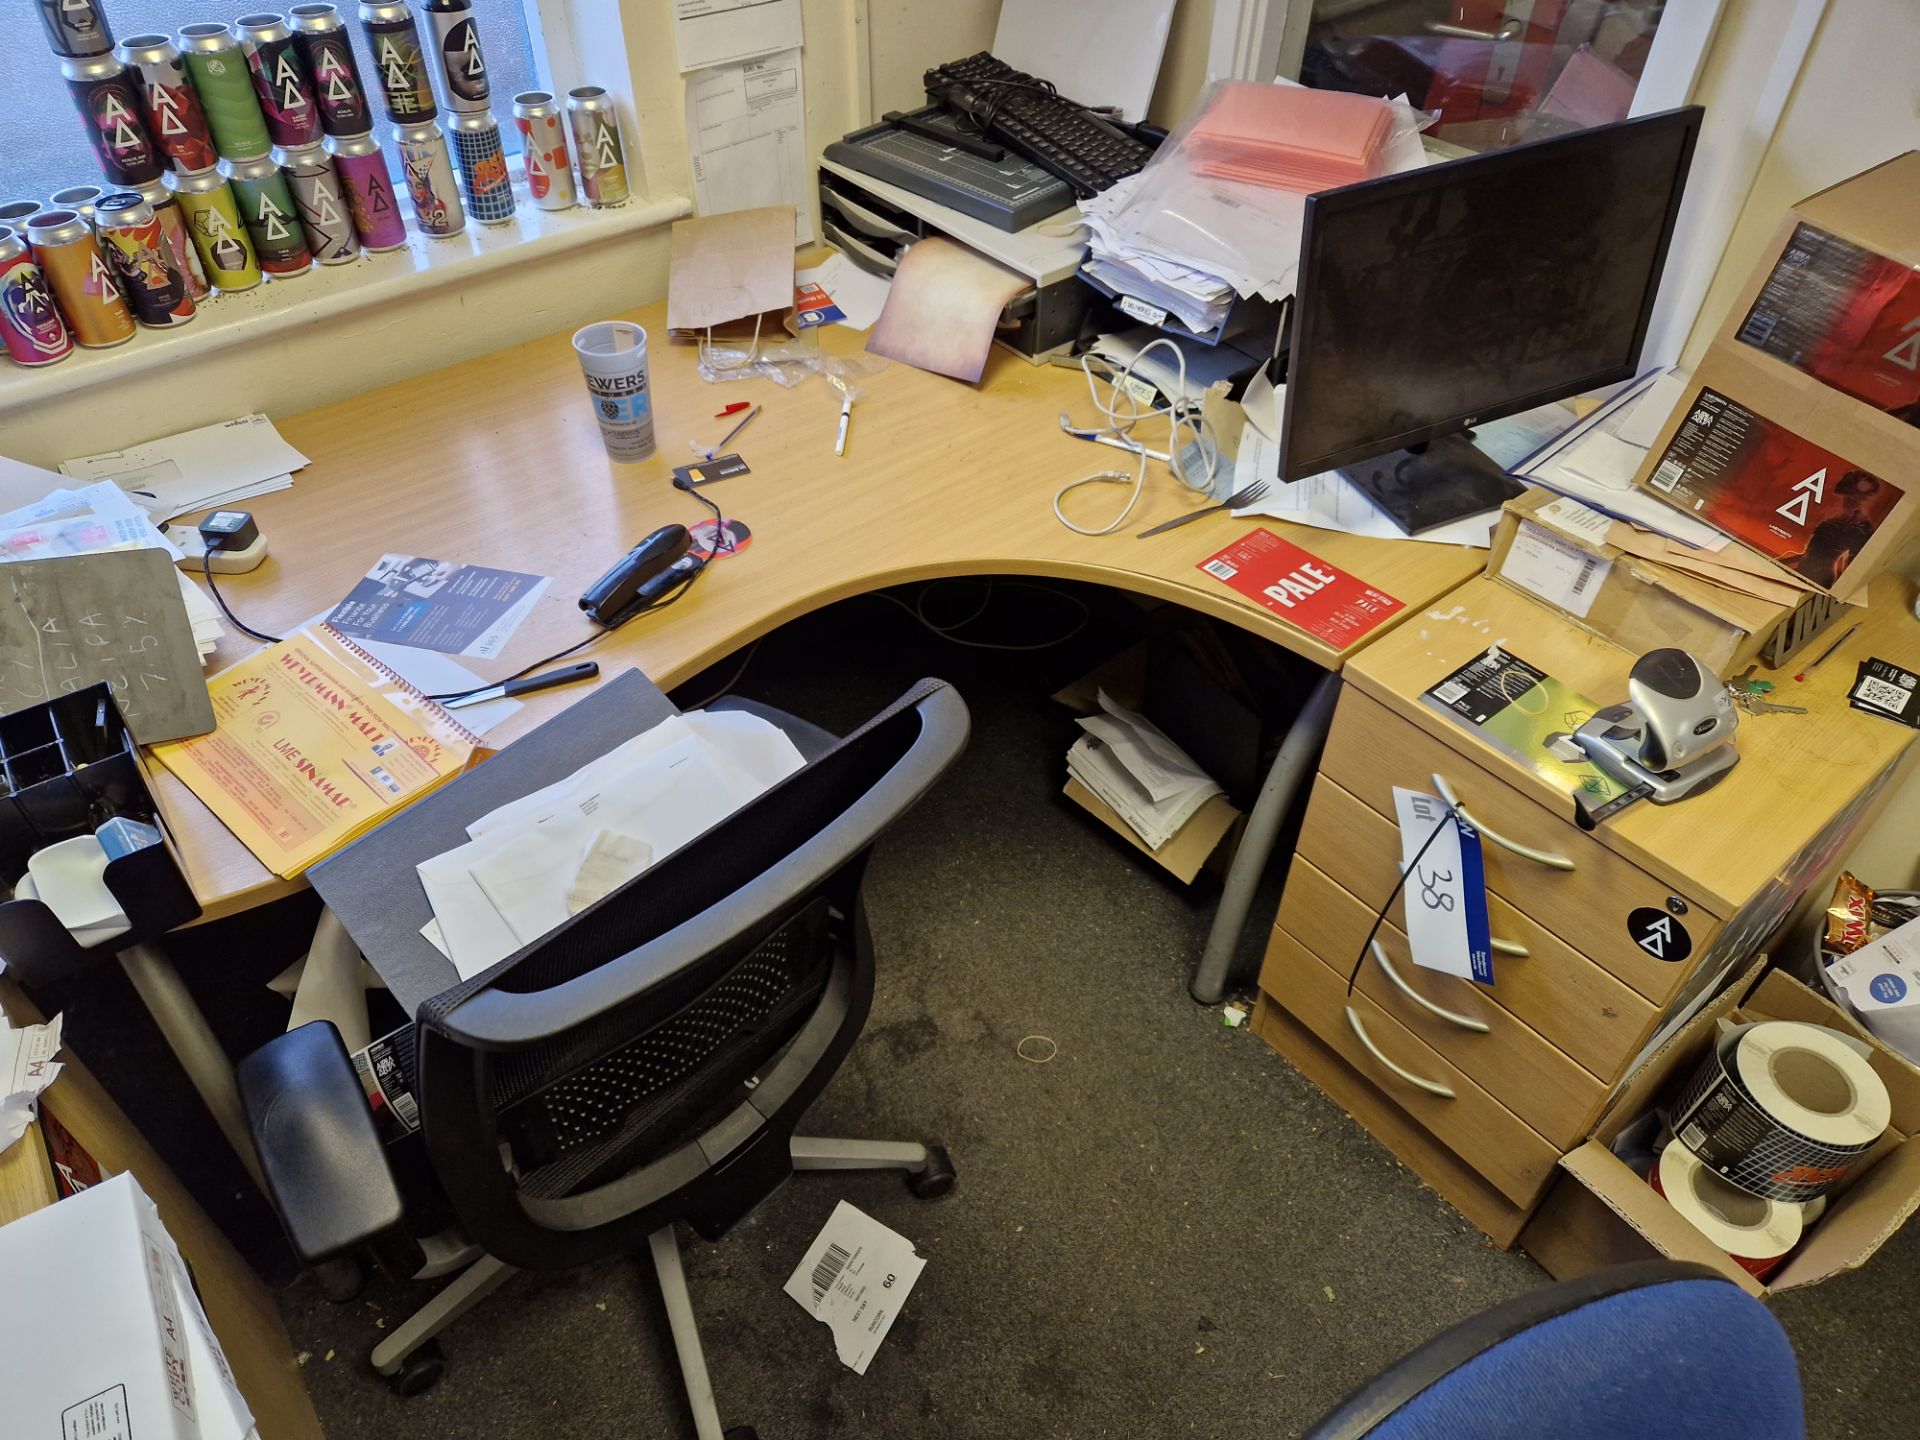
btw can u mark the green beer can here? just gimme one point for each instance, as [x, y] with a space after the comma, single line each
[219, 235]
[271, 217]
[219, 70]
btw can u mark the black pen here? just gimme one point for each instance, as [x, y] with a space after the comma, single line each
[507, 689]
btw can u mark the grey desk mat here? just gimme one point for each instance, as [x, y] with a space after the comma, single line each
[371, 886]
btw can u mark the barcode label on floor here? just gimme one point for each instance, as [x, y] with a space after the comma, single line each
[1450, 692]
[1668, 475]
[1221, 569]
[827, 1270]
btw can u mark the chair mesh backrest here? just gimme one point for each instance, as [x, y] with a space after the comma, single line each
[670, 1050]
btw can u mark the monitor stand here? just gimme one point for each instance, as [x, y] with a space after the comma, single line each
[1435, 483]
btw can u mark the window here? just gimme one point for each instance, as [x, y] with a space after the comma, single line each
[1497, 71]
[43, 147]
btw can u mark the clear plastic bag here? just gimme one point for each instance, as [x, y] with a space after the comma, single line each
[1192, 203]
[787, 360]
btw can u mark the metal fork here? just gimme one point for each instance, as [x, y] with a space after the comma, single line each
[1246, 495]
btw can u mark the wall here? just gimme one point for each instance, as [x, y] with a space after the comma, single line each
[909, 37]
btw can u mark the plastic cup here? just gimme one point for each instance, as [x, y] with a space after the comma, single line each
[613, 357]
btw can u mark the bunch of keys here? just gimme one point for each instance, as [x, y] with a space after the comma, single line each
[1754, 700]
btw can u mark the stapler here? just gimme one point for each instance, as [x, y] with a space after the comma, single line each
[642, 577]
[1674, 734]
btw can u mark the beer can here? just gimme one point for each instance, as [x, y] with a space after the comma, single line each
[286, 95]
[483, 167]
[13, 212]
[77, 198]
[225, 87]
[543, 149]
[173, 225]
[596, 140]
[172, 107]
[64, 248]
[458, 61]
[75, 28]
[268, 211]
[430, 182]
[369, 190]
[322, 203]
[219, 234]
[30, 323]
[394, 39]
[131, 239]
[327, 53]
[110, 105]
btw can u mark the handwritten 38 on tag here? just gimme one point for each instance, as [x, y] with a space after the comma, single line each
[1446, 889]
[854, 1278]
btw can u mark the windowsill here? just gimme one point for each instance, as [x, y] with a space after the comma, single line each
[277, 307]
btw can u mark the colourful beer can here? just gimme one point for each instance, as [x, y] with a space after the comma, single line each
[285, 93]
[271, 218]
[77, 198]
[64, 248]
[14, 213]
[110, 105]
[322, 202]
[131, 239]
[458, 60]
[483, 167]
[225, 86]
[543, 150]
[219, 235]
[596, 139]
[394, 39]
[327, 53]
[369, 189]
[75, 28]
[173, 225]
[31, 326]
[430, 182]
[172, 107]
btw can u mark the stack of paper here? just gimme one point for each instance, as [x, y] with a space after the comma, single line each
[105, 1337]
[27, 1067]
[203, 469]
[1289, 138]
[532, 863]
[1163, 281]
[1144, 777]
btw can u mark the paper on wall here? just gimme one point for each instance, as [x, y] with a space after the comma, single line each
[854, 1278]
[747, 138]
[721, 32]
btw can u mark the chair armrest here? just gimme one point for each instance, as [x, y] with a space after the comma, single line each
[325, 1167]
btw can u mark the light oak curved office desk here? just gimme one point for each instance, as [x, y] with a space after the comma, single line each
[498, 461]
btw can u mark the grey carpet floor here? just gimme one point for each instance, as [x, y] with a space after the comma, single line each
[1165, 1231]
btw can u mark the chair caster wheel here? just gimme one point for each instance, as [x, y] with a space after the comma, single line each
[741, 1432]
[419, 1372]
[342, 1278]
[937, 1179]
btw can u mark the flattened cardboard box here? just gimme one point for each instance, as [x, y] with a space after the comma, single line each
[1642, 605]
[1600, 1212]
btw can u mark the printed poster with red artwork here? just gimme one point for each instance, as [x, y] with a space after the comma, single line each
[1799, 504]
[1301, 588]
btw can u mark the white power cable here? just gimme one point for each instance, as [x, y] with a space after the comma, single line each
[1118, 433]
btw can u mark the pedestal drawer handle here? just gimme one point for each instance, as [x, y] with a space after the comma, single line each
[1510, 947]
[1465, 1022]
[1541, 857]
[1432, 1087]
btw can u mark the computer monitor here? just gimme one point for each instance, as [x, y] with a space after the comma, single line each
[1432, 301]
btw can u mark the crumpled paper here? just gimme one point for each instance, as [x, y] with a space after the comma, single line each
[27, 1067]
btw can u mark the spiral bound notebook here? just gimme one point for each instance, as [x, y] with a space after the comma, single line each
[315, 743]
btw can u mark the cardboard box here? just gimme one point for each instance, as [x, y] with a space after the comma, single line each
[1601, 1212]
[1800, 431]
[1637, 603]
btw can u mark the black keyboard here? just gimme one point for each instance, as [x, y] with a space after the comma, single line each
[1030, 116]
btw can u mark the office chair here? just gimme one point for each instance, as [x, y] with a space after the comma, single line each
[644, 1064]
[1647, 1350]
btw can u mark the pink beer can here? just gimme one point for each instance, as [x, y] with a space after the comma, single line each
[363, 175]
[30, 321]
